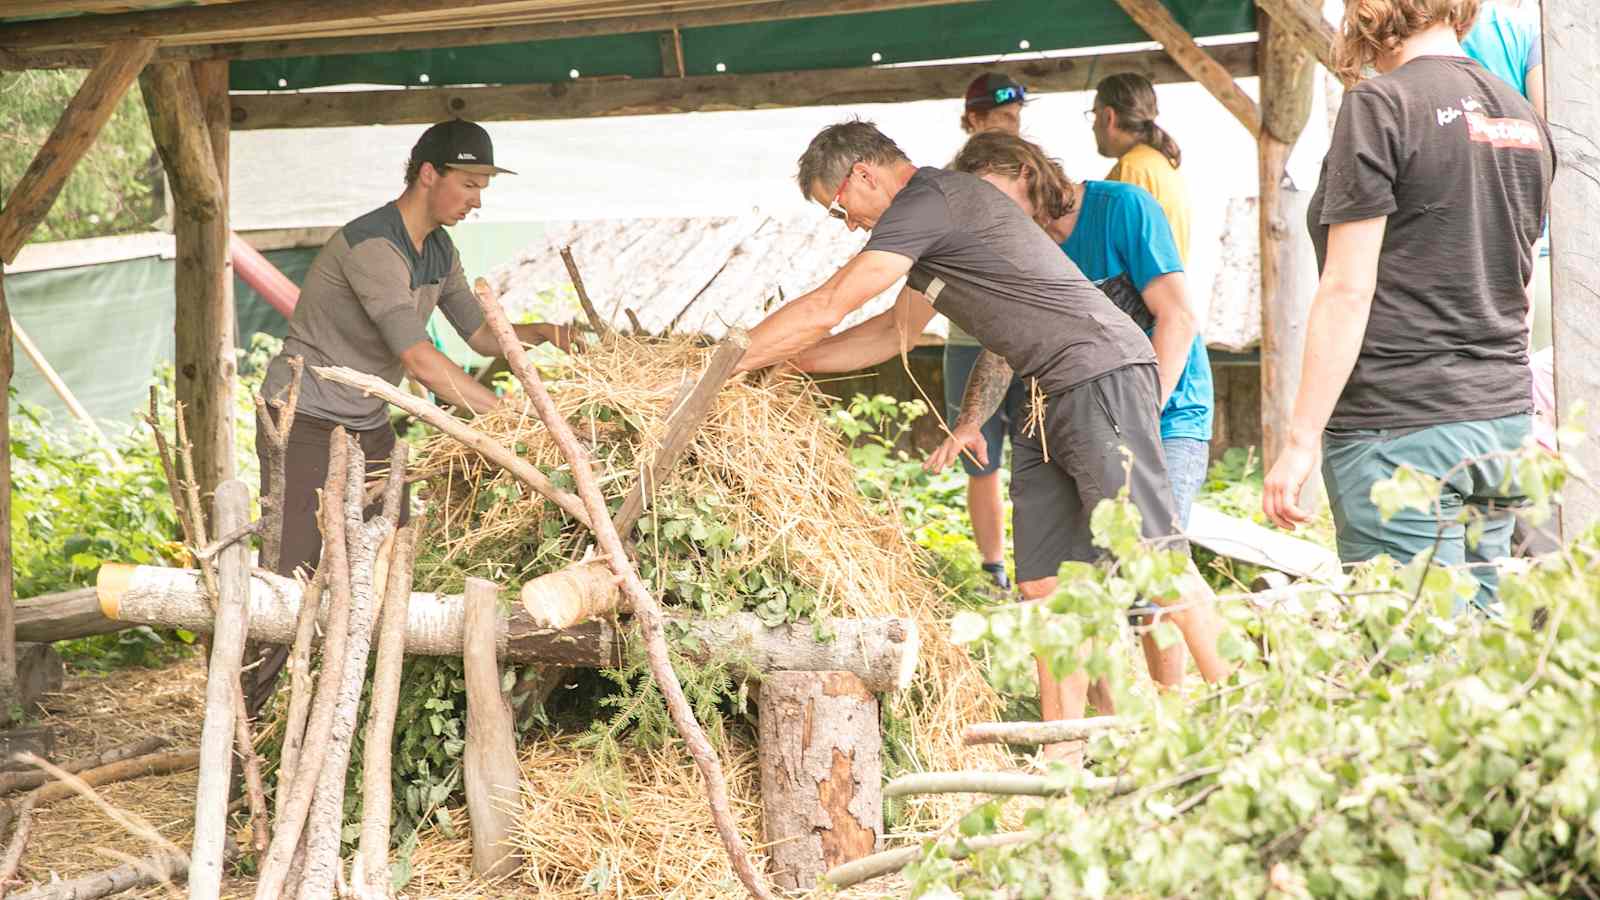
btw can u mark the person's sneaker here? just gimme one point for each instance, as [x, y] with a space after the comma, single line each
[997, 573]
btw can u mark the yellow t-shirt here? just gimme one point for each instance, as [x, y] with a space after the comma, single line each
[1146, 167]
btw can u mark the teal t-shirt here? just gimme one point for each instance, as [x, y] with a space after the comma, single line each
[1122, 233]
[1507, 43]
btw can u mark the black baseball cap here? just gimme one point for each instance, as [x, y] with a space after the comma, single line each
[458, 144]
[992, 89]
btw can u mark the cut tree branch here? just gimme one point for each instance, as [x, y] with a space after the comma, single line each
[484, 445]
[1037, 733]
[276, 431]
[647, 614]
[890, 861]
[599, 325]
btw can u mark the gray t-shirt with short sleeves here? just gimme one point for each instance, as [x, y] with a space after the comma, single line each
[367, 297]
[983, 263]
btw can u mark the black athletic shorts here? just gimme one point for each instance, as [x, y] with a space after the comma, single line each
[1083, 434]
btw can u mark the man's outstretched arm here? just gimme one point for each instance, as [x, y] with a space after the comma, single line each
[807, 320]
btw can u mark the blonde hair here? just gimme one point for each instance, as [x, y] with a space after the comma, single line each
[1049, 189]
[1372, 28]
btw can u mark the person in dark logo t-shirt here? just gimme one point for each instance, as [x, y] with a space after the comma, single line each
[968, 251]
[1431, 197]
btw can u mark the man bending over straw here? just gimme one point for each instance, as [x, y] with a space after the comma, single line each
[970, 253]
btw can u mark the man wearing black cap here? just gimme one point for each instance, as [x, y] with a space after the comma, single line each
[994, 103]
[365, 304]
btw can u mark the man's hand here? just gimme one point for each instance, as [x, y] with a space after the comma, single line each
[1280, 499]
[965, 438]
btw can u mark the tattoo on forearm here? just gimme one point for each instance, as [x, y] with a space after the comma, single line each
[986, 387]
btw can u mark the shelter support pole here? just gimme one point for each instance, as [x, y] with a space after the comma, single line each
[1157, 21]
[1286, 85]
[80, 123]
[1302, 23]
[1572, 81]
[8, 606]
[188, 105]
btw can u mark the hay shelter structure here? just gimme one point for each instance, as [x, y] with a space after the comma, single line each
[207, 69]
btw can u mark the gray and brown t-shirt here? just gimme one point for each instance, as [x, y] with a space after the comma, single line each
[367, 297]
[983, 263]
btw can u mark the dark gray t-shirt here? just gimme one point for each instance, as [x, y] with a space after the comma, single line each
[1460, 165]
[367, 297]
[993, 271]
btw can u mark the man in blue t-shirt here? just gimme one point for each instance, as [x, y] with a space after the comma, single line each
[1121, 241]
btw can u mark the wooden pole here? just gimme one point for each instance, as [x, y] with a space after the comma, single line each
[206, 327]
[1572, 82]
[217, 734]
[8, 606]
[88, 111]
[1302, 23]
[1157, 21]
[1286, 84]
[490, 759]
[682, 426]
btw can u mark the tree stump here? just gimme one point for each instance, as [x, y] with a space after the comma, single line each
[821, 773]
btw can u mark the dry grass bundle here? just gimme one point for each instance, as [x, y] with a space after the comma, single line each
[787, 484]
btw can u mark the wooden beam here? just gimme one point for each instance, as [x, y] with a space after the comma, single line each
[8, 607]
[1572, 81]
[587, 98]
[1302, 24]
[88, 111]
[195, 32]
[1158, 22]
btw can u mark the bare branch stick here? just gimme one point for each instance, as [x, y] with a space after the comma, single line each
[372, 859]
[1035, 733]
[646, 611]
[69, 783]
[1005, 783]
[277, 444]
[595, 321]
[890, 861]
[299, 666]
[484, 445]
[19, 781]
[211, 550]
[336, 569]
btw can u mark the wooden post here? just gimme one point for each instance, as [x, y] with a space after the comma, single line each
[490, 761]
[821, 773]
[8, 607]
[188, 107]
[89, 110]
[216, 736]
[1572, 81]
[1286, 82]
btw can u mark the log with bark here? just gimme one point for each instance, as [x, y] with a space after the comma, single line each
[820, 752]
[22, 781]
[1037, 733]
[161, 867]
[882, 652]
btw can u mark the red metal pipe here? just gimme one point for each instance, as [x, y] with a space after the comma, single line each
[259, 272]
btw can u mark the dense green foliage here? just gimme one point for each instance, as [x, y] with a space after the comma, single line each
[1372, 744]
[114, 189]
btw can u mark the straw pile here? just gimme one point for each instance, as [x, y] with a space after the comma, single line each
[770, 463]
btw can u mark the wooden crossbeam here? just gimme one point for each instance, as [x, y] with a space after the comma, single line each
[378, 26]
[587, 98]
[1158, 22]
[1302, 24]
[88, 111]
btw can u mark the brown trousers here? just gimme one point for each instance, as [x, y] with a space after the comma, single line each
[305, 472]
